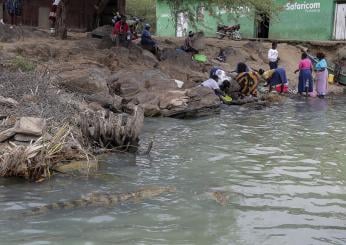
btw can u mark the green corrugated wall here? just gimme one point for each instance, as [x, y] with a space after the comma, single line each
[300, 20]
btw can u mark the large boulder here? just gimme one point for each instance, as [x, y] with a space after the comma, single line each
[88, 77]
[158, 94]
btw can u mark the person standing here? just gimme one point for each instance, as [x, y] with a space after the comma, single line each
[53, 14]
[14, 9]
[321, 70]
[273, 56]
[306, 83]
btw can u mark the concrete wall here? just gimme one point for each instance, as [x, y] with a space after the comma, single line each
[299, 19]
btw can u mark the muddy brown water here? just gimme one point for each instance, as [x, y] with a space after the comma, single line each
[283, 168]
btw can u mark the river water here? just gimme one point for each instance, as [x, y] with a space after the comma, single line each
[283, 168]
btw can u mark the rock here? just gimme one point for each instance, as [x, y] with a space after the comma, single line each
[158, 94]
[175, 98]
[151, 110]
[201, 101]
[25, 138]
[149, 58]
[114, 103]
[7, 134]
[102, 31]
[94, 106]
[8, 102]
[131, 83]
[89, 78]
[106, 43]
[30, 126]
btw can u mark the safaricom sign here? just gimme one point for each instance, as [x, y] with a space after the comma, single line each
[308, 7]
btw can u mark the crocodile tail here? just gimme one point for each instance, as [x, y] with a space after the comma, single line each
[58, 206]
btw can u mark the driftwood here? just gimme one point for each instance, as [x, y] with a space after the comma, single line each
[7, 134]
[8, 102]
[120, 131]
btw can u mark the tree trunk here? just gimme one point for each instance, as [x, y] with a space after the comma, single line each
[61, 25]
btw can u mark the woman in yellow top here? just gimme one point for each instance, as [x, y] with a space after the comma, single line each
[275, 77]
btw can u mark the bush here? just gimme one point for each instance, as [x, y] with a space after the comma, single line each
[143, 8]
[22, 64]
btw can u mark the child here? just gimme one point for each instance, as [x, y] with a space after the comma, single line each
[273, 56]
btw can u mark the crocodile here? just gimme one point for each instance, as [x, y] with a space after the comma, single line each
[101, 199]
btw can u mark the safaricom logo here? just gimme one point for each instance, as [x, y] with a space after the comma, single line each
[309, 7]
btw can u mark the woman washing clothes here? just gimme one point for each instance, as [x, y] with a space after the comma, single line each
[247, 79]
[276, 77]
[306, 83]
[219, 88]
[321, 75]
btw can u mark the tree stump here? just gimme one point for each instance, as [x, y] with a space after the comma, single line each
[112, 131]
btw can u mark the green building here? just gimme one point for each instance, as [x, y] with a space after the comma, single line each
[298, 20]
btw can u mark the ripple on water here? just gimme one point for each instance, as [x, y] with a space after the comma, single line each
[101, 219]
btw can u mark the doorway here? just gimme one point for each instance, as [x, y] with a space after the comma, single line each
[182, 24]
[263, 23]
[340, 22]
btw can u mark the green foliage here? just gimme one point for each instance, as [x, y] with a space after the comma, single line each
[22, 64]
[143, 8]
[268, 7]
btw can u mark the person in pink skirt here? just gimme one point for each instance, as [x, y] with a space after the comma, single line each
[321, 69]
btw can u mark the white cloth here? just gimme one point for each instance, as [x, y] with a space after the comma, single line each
[211, 83]
[273, 55]
[221, 74]
[56, 2]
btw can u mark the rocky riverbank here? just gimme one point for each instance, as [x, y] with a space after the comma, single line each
[90, 95]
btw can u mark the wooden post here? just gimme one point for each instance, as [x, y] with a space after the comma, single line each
[61, 24]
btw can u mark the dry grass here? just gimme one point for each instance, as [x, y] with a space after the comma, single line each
[35, 161]
[36, 95]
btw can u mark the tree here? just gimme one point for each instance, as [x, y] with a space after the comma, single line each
[268, 7]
